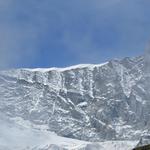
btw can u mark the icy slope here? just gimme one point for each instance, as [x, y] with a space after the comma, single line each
[14, 136]
[109, 101]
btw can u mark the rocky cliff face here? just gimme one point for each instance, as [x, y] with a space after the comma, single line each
[88, 102]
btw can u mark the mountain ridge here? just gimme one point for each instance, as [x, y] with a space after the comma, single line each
[88, 102]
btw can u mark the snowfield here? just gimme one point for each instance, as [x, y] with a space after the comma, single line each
[23, 136]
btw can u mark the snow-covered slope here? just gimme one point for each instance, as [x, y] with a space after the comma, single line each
[109, 101]
[145, 140]
[22, 136]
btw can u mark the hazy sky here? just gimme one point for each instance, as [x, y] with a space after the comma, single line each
[46, 33]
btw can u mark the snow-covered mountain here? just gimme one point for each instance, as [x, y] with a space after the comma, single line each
[109, 101]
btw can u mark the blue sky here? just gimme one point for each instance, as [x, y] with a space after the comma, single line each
[47, 33]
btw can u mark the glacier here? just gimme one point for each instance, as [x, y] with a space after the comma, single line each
[20, 135]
